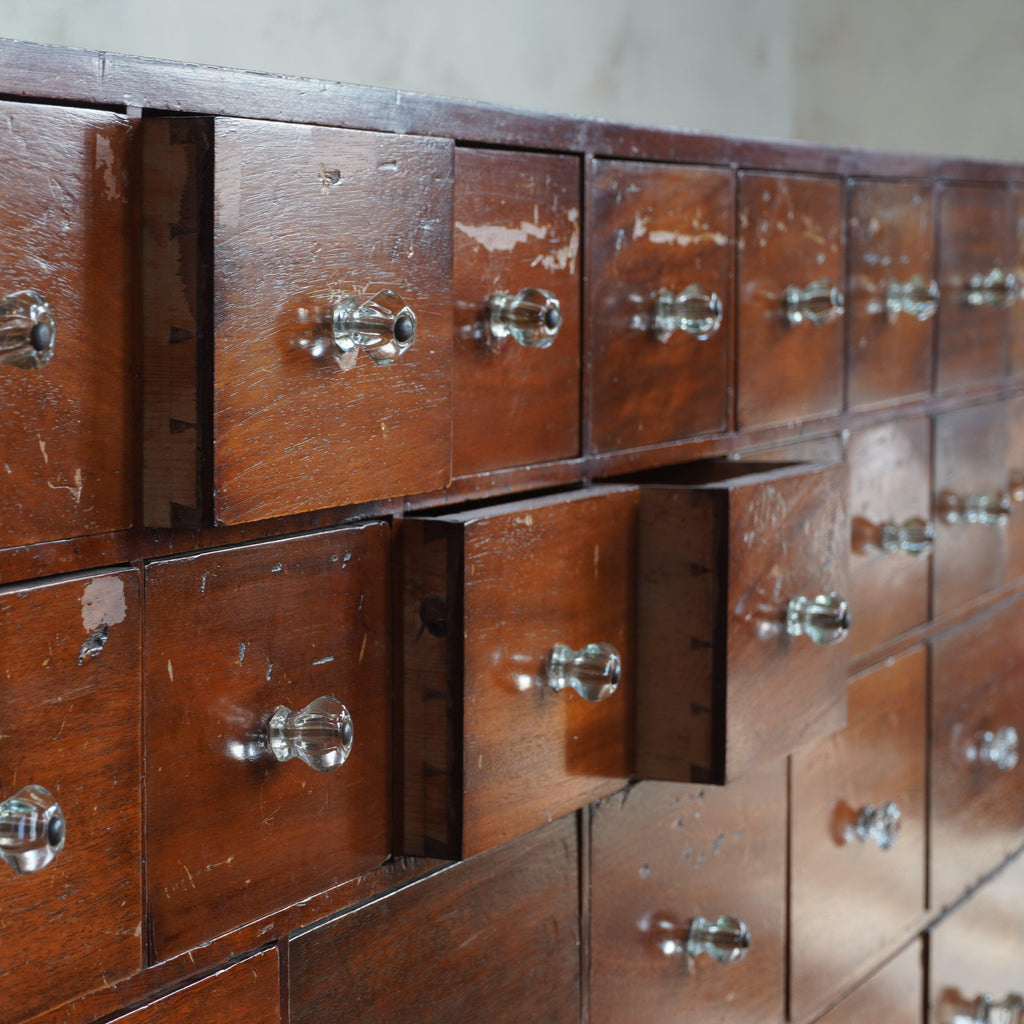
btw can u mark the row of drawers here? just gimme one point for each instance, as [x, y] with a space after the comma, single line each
[270, 389]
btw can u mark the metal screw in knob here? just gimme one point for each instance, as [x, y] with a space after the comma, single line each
[383, 326]
[320, 734]
[879, 825]
[32, 829]
[998, 748]
[28, 334]
[593, 672]
[532, 317]
[825, 619]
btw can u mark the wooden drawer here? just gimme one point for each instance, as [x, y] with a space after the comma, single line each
[255, 235]
[69, 705]
[790, 359]
[892, 531]
[664, 854]
[979, 948]
[490, 748]
[493, 939]
[64, 235]
[658, 230]
[853, 899]
[977, 799]
[724, 549]
[976, 242]
[231, 635]
[970, 471]
[895, 993]
[892, 292]
[247, 993]
[516, 387]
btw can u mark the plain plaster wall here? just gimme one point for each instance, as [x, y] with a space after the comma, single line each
[932, 75]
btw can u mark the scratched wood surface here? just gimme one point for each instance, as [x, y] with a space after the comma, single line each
[232, 834]
[517, 224]
[653, 227]
[667, 852]
[69, 707]
[895, 993]
[790, 234]
[722, 687]
[68, 435]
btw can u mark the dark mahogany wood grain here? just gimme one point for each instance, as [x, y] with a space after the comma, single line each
[489, 749]
[890, 482]
[977, 811]
[517, 224]
[492, 939]
[790, 233]
[246, 993]
[652, 227]
[895, 993]
[673, 852]
[71, 723]
[722, 688]
[862, 898]
[233, 835]
[68, 436]
[891, 239]
[976, 234]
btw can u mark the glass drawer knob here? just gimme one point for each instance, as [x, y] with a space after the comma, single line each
[32, 829]
[825, 619]
[383, 326]
[879, 825]
[320, 734]
[989, 509]
[913, 537]
[985, 1010]
[593, 671]
[997, 289]
[726, 939]
[819, 303]
[532, 317]
[998, 748]
[693, 310]
[918, 297]
[27, 331]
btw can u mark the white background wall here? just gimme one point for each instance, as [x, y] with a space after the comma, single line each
[934, 75]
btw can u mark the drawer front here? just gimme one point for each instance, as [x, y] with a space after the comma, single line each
[661, 856]
[892, 292]
[653, 230]
[234, 834]
[976, 251]
[516, 387]
[790, 366]
[247, 993]
[71, 724]
[301, 223]
[503, 944]
[492, 749]
[970, 471]
[855, 895]
[895, 993]
[66, 449]
[977, 787]
[723, 687]
[1013, 567]
[978, 950]
[891, 529]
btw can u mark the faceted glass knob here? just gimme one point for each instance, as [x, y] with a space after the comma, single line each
[320, 734]
[913, 537]
[383, 327]
[32, 829]
[726, 939]
[593, 671]
[917, 297]
[693, 310]
[532, 317]
[985, 1010]
[819, 303]
[824, 619]
[997, 289]
[879, 825]
[27, 331]
[989, 509]
[998, 748]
